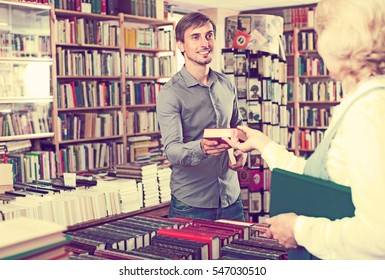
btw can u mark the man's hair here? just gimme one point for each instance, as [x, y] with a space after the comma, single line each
[191, 20]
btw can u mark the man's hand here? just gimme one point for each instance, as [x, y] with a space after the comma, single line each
[213, 148]
[238, 160]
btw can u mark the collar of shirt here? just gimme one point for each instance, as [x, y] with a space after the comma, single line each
[191, 81]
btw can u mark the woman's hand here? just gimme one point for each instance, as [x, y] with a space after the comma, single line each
[282, 229]
[255, 140]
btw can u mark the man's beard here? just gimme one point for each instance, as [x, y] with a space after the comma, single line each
[200, 62]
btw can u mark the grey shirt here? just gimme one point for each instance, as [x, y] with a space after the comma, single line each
[184, 109]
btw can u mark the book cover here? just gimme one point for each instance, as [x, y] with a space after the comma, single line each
[310, 196]
[211, 239]
[216, 134]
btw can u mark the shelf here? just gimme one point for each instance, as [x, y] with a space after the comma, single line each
[89, 108]
[83, 140]
[25, 99]
[87, 46]
[319, 103]
[88, 77]
[68, 13]
[25, 59]
[27, 136]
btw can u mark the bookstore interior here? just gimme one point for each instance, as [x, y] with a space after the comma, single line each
[84, 174]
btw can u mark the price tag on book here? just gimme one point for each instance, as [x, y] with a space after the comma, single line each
[69, 179]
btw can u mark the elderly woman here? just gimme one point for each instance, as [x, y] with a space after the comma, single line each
[351, 41]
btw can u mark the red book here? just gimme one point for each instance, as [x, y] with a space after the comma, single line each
[256, 180]
[216, 134]
[211, 239]
[236, 230]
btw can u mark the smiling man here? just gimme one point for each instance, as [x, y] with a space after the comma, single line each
[204, 184]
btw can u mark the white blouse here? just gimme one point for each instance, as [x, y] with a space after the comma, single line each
[356, 158]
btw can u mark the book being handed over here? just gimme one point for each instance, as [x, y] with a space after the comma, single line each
[216, 134]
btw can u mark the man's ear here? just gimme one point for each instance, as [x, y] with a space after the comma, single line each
[180, 46]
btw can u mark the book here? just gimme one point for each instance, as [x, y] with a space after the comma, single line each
[170, 253]
[216, 134]
[22, 234]
[235, 230]
[309, 196]
[212, 240]
[199, 250]
[245, 252]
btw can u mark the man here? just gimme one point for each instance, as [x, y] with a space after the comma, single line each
[203, 182]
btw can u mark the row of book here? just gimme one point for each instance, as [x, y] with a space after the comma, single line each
[144, 8]
[32, 165]
[311, 66]
[320, 91]
[56, 201]
[158, 38]
[147, 65]
[314, 117]
[141, 121]
[260, 89]
[85, 94]
[87, 32]
[88, 63]
[22, 45]
[152, 237]
[21, 123]
[73, 126]
[253, 64]
[90, 156]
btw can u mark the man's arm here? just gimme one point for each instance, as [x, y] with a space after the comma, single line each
[169, 118]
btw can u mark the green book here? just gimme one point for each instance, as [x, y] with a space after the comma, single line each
[309, 196]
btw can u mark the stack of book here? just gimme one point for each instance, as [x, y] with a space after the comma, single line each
[145, 174]
[164, 177]
[32, 239]
[129, 197]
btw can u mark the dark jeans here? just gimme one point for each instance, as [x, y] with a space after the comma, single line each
[300, 253]
[233, 212]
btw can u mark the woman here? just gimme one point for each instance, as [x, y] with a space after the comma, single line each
[351, 41]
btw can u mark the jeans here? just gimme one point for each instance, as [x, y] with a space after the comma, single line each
[233, 212]
[300, 253]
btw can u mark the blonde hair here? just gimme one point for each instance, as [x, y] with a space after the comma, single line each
[355, 33]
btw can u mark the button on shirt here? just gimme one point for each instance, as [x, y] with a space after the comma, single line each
[184, 109]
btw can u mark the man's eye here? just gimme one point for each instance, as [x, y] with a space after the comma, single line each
[195, 37]
[209, 36]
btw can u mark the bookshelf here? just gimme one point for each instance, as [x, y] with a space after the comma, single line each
[26, 99]
[261, 81]
[109, 69]
[312, 94]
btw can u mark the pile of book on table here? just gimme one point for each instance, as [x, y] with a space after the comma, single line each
[31, 239]
[151, 237]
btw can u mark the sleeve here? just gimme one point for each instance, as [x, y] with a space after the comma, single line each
[277, 156]
[362, 236]
[177, 152]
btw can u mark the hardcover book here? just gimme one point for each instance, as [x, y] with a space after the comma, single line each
[211, 239]
[310, 196]
[199, 250]
[216, 134]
